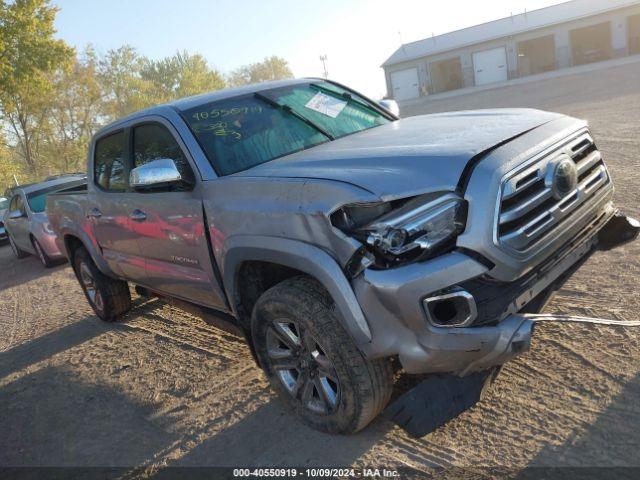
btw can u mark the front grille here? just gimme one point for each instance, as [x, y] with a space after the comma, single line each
[529, 210]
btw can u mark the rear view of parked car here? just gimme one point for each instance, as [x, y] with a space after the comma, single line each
[26, 223]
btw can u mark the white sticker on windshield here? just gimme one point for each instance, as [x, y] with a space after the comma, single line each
[326, 104]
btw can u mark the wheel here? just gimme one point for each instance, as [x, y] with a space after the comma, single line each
[108, 297]
[312, 363]
[44, 258]
[16, 250]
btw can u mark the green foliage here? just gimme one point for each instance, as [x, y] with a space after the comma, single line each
[30, 56]
[179, 76]
[52, 100]
[271, 68]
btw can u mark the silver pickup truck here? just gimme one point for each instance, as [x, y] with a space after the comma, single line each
[337, 237]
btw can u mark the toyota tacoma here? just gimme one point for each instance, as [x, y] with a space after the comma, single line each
[339, 239]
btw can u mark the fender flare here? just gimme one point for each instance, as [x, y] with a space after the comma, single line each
[306, 258]
[86, 243]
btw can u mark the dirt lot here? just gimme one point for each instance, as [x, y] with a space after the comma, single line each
[161, 388]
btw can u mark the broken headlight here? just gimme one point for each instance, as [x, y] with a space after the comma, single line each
[410, 229]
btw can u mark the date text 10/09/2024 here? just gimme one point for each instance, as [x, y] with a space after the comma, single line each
[316, 472]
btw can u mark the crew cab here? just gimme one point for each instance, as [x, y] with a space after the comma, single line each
[336, 236]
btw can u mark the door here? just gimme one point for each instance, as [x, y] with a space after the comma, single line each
[19, 227]
[170, 224]
[405, 84]
[490, 66]
[108, 208]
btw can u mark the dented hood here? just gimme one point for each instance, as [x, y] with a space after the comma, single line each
[415, 154]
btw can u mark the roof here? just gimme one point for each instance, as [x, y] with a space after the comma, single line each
[520, 23]
[63, 180]
[195, 100]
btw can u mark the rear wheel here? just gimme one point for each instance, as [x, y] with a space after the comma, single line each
[42, 255]
[16, 250]
[108, 297]
[311, 361]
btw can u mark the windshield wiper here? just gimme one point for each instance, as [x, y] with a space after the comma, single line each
[346, 96]
[287, 108]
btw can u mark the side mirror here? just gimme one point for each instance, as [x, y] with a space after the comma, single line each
[16, 214]
[157, 173]
[390, 105]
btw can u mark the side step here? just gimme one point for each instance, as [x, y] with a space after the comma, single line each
[436, 400]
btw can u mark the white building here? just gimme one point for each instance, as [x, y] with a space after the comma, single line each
[560, 36]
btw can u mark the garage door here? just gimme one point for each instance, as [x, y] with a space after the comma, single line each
[405, 84]
[490, 66]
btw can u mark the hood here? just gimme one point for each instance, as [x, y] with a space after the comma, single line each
[409, 156]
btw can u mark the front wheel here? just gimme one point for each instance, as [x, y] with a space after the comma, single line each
[109, 298]
[42, 255]
[311, 361]
[16, 250]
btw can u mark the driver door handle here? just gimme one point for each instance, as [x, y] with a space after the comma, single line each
[138, 215]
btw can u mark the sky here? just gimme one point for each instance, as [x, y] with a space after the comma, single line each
[355, 35]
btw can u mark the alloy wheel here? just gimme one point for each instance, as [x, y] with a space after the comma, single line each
[302, 366]
[13, 246]
[40, 253]
[89, 285]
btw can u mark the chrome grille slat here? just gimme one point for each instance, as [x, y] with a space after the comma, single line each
[588, 162]
[526, 206]
[578, 141]
[529, 211]
[512, 188]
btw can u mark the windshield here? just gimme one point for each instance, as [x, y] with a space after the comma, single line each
[4, 203]
[242, 132]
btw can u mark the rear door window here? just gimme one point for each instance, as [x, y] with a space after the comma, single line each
[109, 163]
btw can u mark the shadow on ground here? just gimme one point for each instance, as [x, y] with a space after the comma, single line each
[19, 271]
[610, 441]
[272, 437]
[48, 345]
[80, 424]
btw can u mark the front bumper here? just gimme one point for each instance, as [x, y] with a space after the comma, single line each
[392, 303]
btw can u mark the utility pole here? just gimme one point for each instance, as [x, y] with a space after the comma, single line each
[323, 59]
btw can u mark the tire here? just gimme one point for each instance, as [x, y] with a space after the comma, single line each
[312, 363]
[41, 254]
[108, 297]
[16, 250]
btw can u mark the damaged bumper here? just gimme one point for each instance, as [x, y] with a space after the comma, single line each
[394, 304]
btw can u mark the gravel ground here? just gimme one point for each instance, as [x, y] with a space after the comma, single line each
[162, 388]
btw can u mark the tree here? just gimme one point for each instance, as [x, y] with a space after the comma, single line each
[76, 113]
[271, 68]
[30, 57]
[178, 76]
[8, 168]
[131, 82]
[119, 76]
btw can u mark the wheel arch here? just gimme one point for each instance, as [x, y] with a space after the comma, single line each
[72, 240]
[287, 258]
